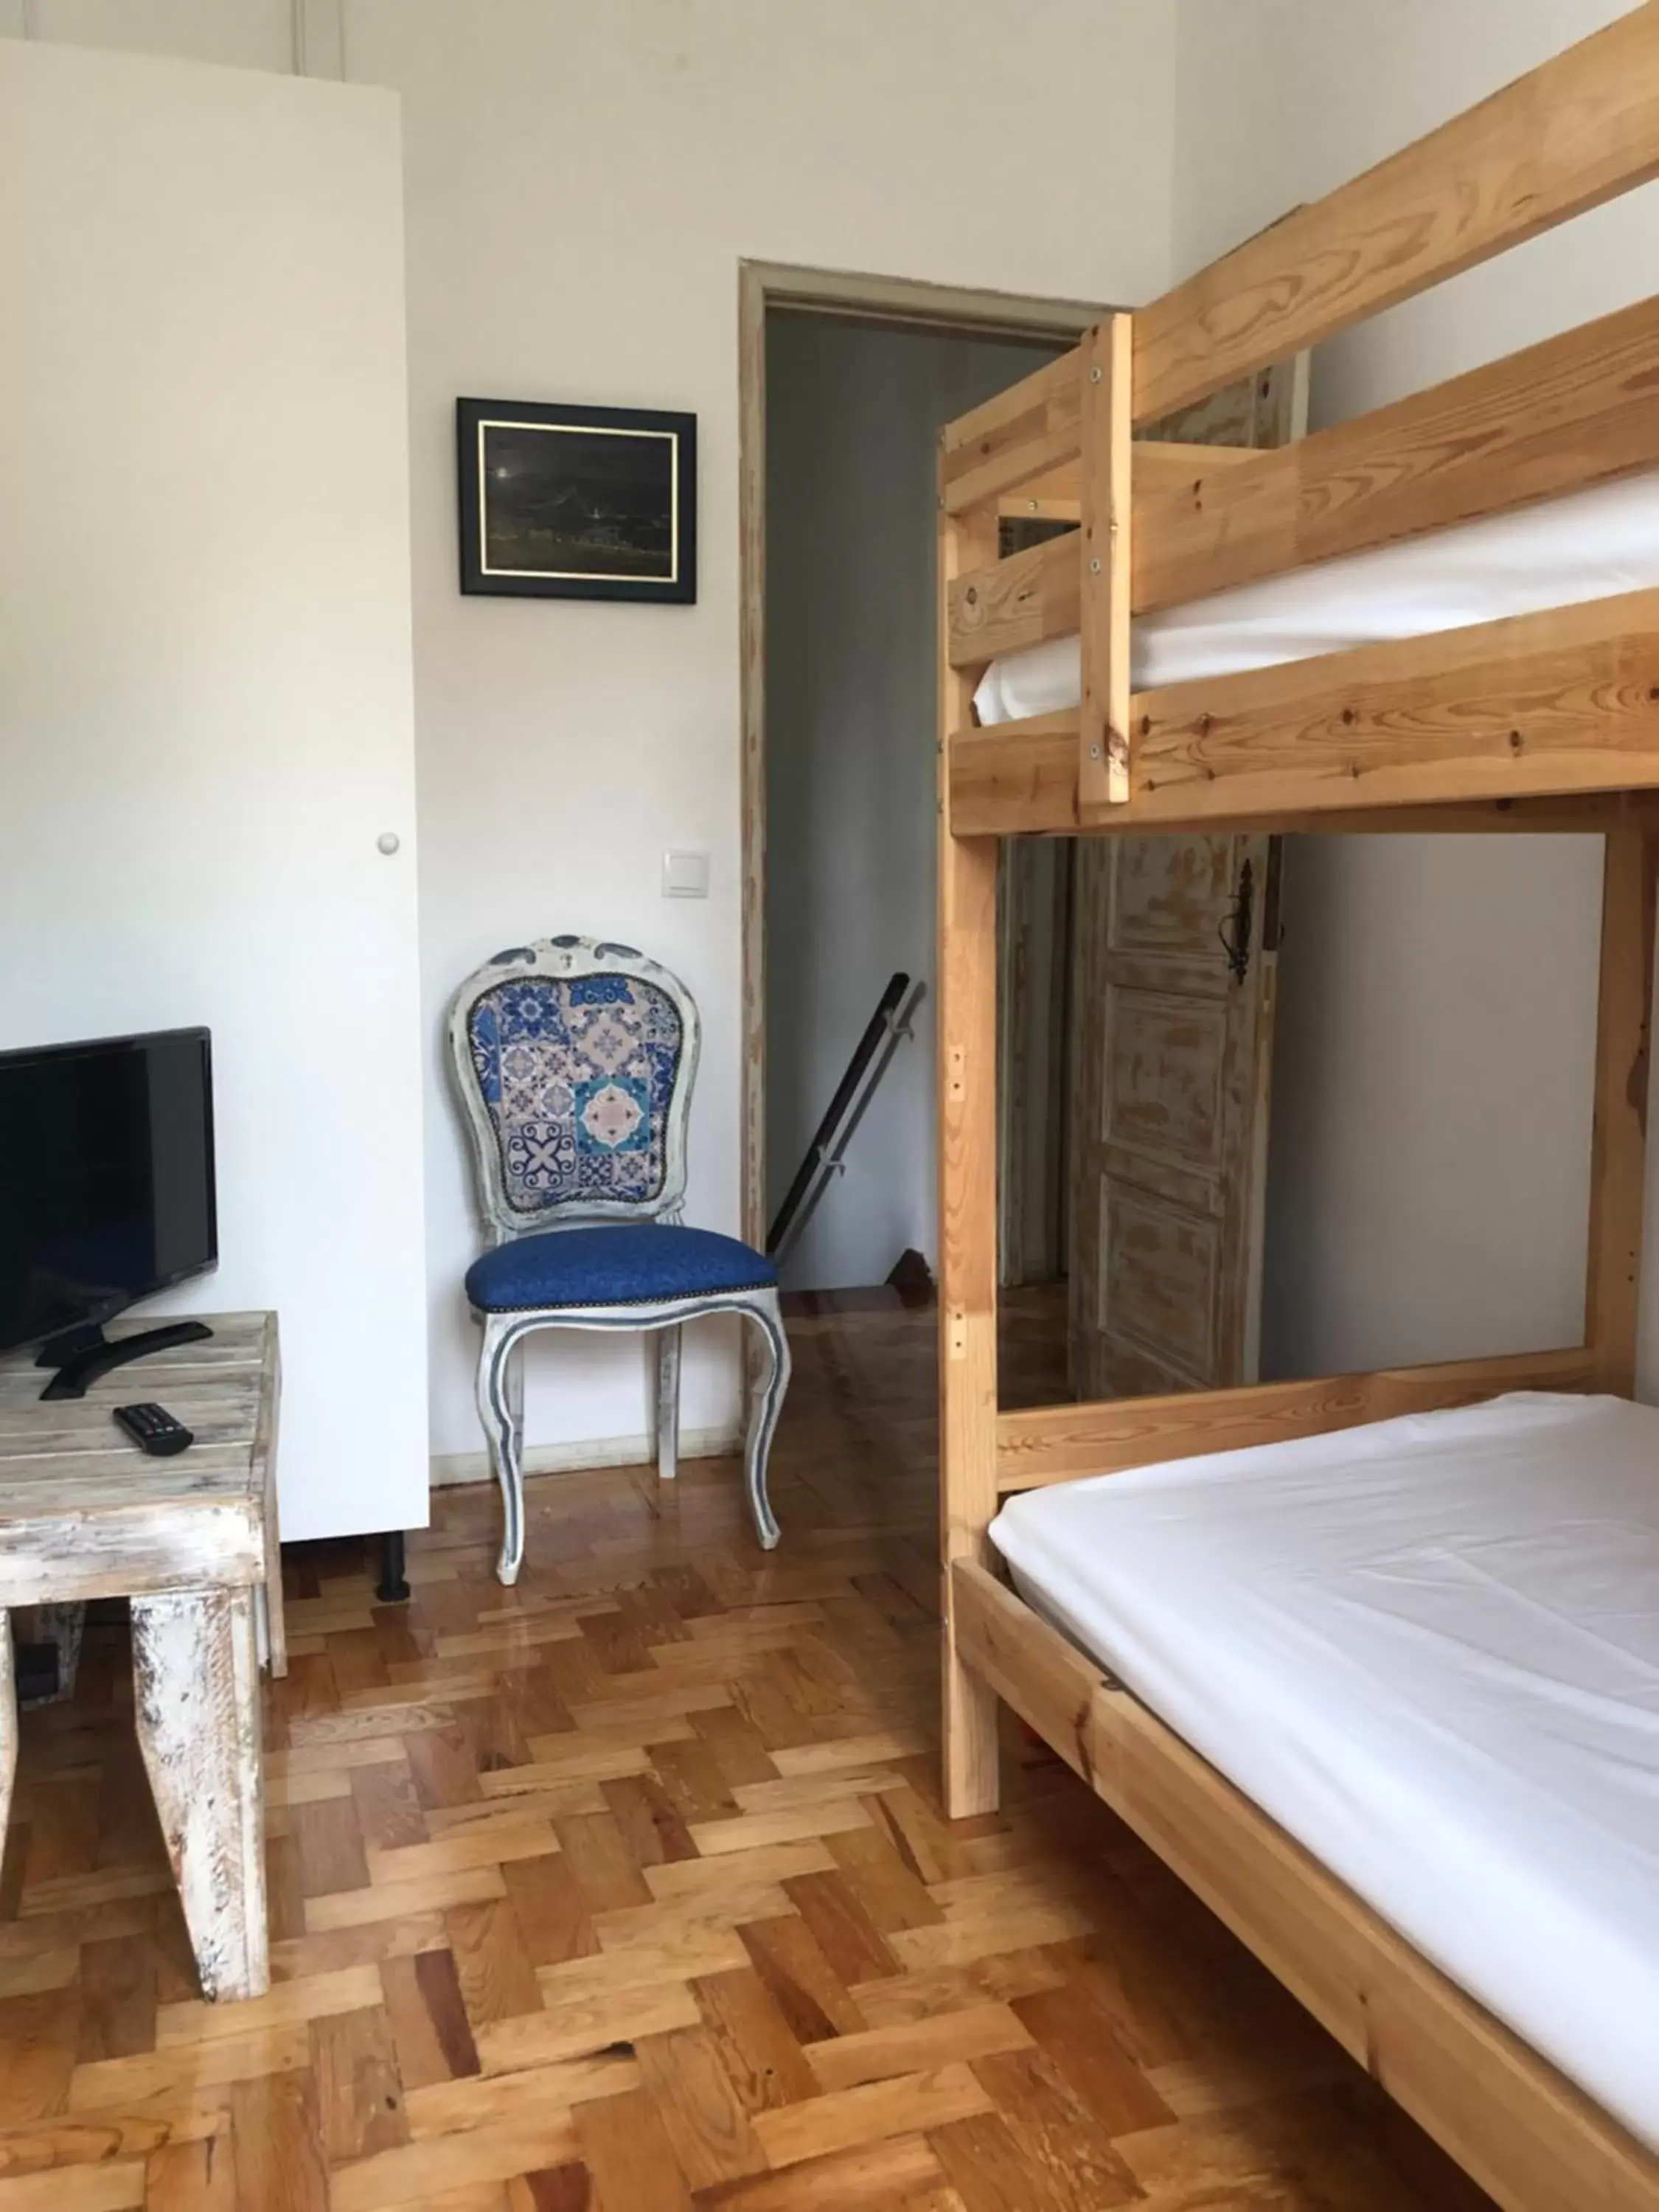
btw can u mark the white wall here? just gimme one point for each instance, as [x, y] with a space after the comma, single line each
[205, 694]
[1432, 1083]
[852, 416]
[242, 34]
[581, 183]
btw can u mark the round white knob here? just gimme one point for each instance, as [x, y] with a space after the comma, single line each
[387, 841]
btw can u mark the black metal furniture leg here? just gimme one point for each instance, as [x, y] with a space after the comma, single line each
[394, 1583]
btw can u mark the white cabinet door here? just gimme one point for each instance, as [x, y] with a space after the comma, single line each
[205, 717]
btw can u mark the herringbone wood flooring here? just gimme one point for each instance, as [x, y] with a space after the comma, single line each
[627, 1890]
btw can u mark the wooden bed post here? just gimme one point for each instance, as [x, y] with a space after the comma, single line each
[1106, 417]
[1618, 1142]
[967, 1025]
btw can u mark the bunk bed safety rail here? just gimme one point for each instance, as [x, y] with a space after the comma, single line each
[1164, 525]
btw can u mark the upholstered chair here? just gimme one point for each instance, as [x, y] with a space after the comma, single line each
[574, 1062]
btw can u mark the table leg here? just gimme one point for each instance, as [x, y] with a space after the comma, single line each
[8, 1727]
[195, 1680]
[271, 1593]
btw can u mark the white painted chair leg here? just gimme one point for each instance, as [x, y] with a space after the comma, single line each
[765, 1405]
[501, 1409]
[8, 1726]
[668, 1403]
[195, 1684]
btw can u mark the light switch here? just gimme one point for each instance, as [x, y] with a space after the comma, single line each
[685, 875]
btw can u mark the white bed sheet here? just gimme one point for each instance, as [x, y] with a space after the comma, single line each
[1586, 546]
[1429, 1647]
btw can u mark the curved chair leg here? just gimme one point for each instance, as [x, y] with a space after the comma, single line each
[763, 1413]
[668, 1402]
[501, 1408]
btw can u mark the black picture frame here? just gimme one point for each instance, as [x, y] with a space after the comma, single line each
[563, 502]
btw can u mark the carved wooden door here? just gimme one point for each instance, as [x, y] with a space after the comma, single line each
[1173, 1057]
[1174, 953]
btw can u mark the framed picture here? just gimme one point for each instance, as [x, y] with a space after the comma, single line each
[577, 502]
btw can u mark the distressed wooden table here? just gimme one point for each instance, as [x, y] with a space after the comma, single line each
[192, 1542]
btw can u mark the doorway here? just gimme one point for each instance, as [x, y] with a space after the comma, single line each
[1136, 1035]
[847, 381]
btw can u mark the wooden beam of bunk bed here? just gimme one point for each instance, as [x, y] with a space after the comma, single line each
[1004, 785]
[1575, 132]
[1026, 597]
[1579, 130]
[1619, 1131]
[1013, 438]
[1524, 2131]
[1563, 701]
[1103, 564]
[1021, 599]
[1574, 412]
[1161, 465]
[966, 983]
[1042, 1444]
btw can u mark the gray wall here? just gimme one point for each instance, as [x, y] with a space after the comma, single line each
[853, 415]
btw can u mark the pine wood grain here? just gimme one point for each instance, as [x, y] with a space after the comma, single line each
[1574, 412]
[1576, 132]
[1619, 1135]
[966, 1044]
[1021, 779]
[1564, 701]
[1423, 733]
[1058, 1443]
[1013, 438]
[1105, 547]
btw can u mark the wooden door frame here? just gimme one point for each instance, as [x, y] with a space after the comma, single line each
[908, 303]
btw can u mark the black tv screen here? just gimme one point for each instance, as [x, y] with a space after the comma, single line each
[106, 1189]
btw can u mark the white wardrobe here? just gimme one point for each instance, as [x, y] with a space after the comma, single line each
[206, 720]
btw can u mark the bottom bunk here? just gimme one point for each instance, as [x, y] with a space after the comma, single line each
[1388, 1701]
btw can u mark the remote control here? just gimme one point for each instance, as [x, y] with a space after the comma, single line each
[154, 1430]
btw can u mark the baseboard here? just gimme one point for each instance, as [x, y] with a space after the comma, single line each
[576, 1458]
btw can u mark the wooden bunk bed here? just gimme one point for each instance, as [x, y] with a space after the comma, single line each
[1543, 721]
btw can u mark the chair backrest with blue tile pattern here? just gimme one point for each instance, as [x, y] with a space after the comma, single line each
[574, 1062]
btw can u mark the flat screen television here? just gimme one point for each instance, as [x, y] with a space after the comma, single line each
[106, 1193]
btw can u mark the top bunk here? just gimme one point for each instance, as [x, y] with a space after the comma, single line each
[1548, 717]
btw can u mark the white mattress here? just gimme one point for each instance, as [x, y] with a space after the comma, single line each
[1430, 1650]
[1586, 546]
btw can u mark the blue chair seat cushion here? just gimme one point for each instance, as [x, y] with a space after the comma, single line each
[627, 1264]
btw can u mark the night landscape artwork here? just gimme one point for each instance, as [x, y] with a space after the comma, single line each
[577, 502]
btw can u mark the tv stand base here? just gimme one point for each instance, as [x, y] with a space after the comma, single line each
[81, 1355]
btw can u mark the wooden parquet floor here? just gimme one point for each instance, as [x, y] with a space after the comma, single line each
[628, 1890]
